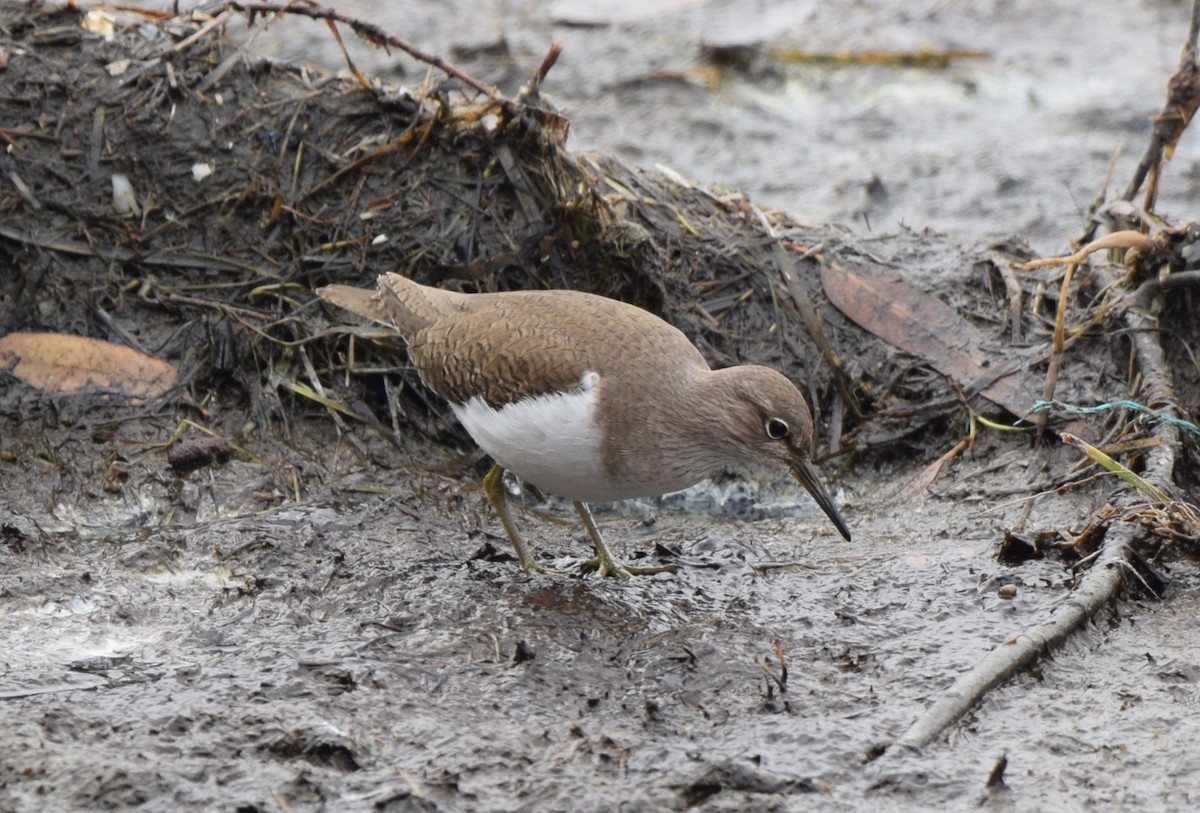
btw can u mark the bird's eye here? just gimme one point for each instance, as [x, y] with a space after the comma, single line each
[777, 429]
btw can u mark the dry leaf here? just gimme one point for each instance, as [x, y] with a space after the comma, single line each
[55, 362]
[881, 301]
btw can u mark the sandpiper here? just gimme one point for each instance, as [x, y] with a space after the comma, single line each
[589, 398]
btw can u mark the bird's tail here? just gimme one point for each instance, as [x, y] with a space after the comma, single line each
[398, 303]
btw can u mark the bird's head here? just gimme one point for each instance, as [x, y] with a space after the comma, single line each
[770, 424]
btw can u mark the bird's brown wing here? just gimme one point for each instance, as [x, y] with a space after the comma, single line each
[508, 346]
[500, 353]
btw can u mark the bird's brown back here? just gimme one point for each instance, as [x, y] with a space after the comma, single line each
[507, 346]
[504, 347]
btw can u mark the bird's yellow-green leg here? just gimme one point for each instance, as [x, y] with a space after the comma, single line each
[605, 564]
[493, 486]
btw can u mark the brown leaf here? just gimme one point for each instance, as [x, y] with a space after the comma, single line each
[923, 325]
[55, 362]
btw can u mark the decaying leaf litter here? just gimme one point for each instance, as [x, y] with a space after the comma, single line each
[306, 601]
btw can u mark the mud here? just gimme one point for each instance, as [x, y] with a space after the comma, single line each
[207, 642]
[360, 653]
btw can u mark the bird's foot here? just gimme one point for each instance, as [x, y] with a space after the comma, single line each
[608, 566]
[604, 563]
[534, 569]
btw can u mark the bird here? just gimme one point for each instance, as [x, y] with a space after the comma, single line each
[590, 398]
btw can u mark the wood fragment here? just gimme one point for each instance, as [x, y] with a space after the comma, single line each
[1098, 587]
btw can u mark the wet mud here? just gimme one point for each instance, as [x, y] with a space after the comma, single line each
[374, 653]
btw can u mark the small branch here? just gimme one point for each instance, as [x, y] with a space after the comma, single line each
[1154, 286]
[548, 61]
[1099, 586]
[1183, 97]
[812, 321]
[373, 34]
[1121, 239]
[1157, 389]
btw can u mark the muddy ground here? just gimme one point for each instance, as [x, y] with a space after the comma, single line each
[336, 626]
[353, 653]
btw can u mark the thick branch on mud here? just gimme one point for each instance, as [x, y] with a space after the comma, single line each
[1102, 583]
[1098, 588]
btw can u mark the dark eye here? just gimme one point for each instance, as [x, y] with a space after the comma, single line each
[777, 429]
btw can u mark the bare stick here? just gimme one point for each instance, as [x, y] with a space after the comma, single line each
[548, 61]
[371, 33]
[1098, 588]
[1101, 583]
[1183, 97]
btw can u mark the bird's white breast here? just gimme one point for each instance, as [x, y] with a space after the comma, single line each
[553, 441]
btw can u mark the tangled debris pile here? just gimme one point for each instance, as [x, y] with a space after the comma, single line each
[245, 185]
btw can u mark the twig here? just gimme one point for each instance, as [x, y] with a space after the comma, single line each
[373, 34]
[1121, 239]
[1013, 287]
[1157, 390]
[1183, 97]
[1056, 359]
[1153, 286]
[812, 321]
[548, 61]
[1099, 586]
[1101, 583]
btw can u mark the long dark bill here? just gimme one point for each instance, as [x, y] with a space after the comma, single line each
[807, 475]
